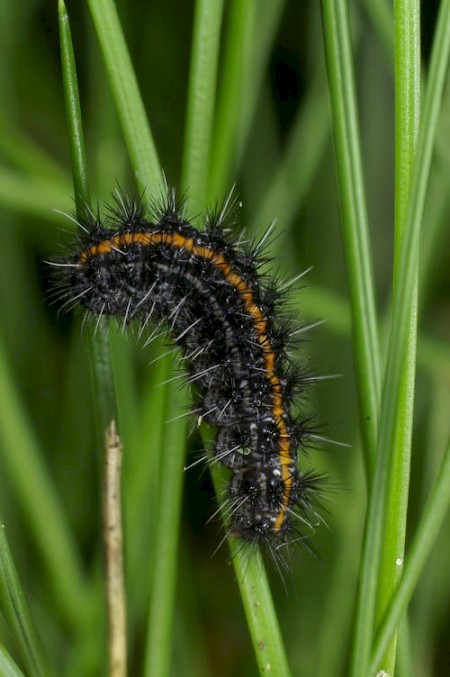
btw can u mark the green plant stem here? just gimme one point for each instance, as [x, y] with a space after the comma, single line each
[142, 482]
[256, 597]
[201, 98]
[407, 97]
[17, 614]
[398, 346]
[425, 538]
[231, 96]
[160, 621]
[130, 108]
[338, 54]
[73, 111]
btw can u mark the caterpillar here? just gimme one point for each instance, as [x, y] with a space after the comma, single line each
[229, 320]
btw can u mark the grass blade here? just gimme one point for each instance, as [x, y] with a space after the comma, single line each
[201, 98]
[160, 621]
[73, 111]
[256, 597]
[295, 173]
[130, 108]
[99, 351]
[231, 96]
[407, 96]
[17, 613]
[336, 28]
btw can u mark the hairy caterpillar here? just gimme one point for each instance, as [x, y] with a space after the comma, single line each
[227, 318]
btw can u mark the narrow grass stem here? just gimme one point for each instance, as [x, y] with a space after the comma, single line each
[256, 598]
[73, 111]
[338, 52]
[230, 100]
[162, 599]
[201, 98]
[407, 97]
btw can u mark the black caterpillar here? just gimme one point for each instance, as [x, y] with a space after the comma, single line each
[227, 319]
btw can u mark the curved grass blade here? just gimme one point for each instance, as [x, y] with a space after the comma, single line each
[130, 108]
[17, 614]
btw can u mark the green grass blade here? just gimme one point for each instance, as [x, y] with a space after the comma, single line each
[164, 571]
[17, 614]
[256, 597]
[201, 98]
[101, 366]
[7, 666]
[424, 539]
[73, 110]
[398, 344]
[407, 96]
[234, 79]
[23, 462]
[338, 53]
[102, 378]
[130, 108]
[142, 483]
